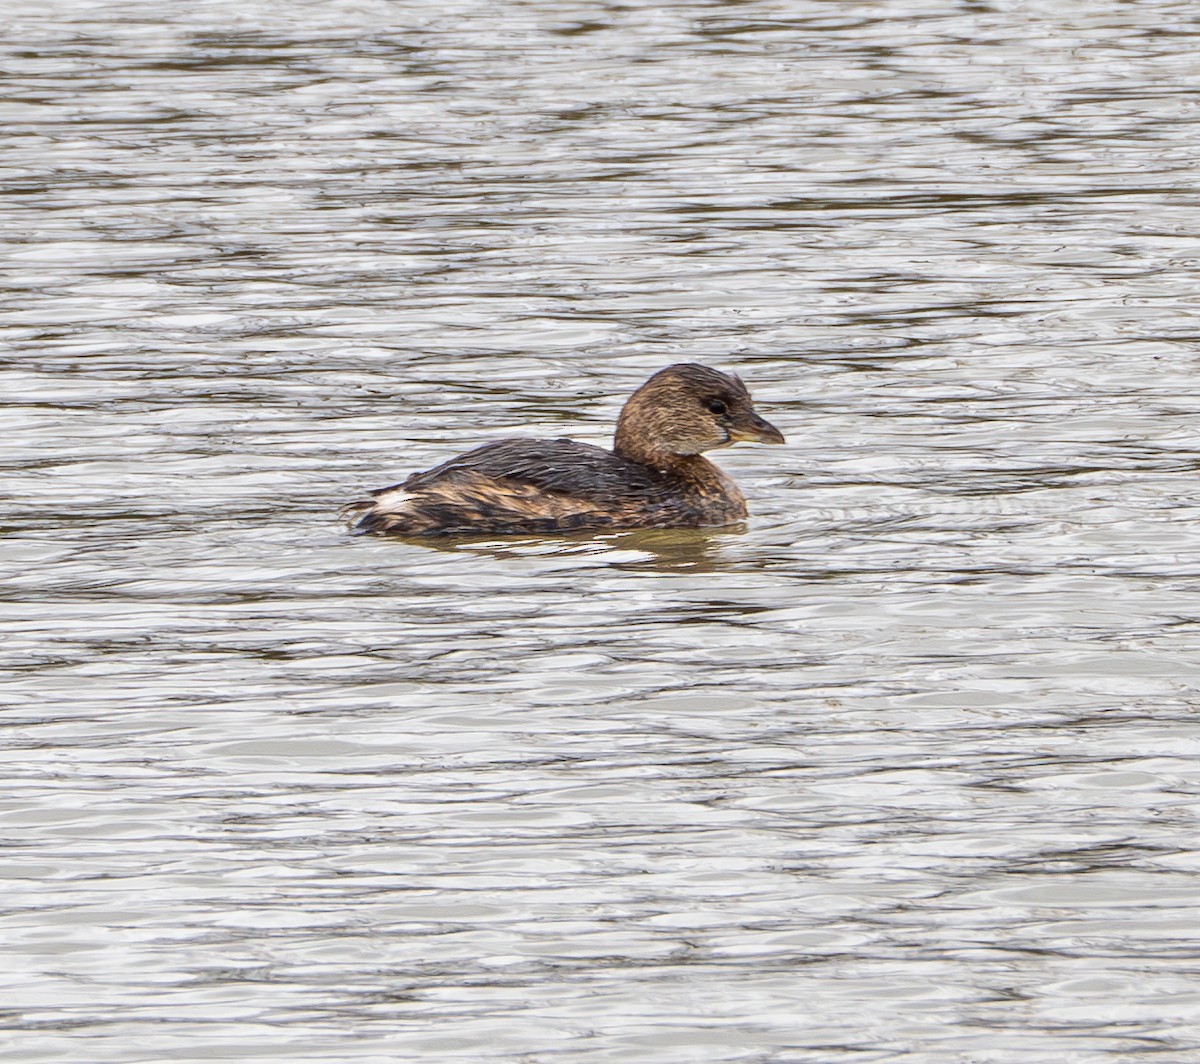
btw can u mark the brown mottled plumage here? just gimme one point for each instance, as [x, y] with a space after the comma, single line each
[654, 477]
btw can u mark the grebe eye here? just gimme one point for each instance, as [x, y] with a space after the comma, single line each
[716, 406]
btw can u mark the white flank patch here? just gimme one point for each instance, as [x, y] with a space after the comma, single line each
[393, 501]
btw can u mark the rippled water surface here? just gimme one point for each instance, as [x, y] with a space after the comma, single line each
[904, 770]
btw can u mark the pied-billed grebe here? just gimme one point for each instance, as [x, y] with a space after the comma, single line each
[654, 477]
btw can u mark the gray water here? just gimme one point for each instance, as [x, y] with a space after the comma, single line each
[903, 770]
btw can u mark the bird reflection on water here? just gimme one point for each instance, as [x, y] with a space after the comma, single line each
[664, 550]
